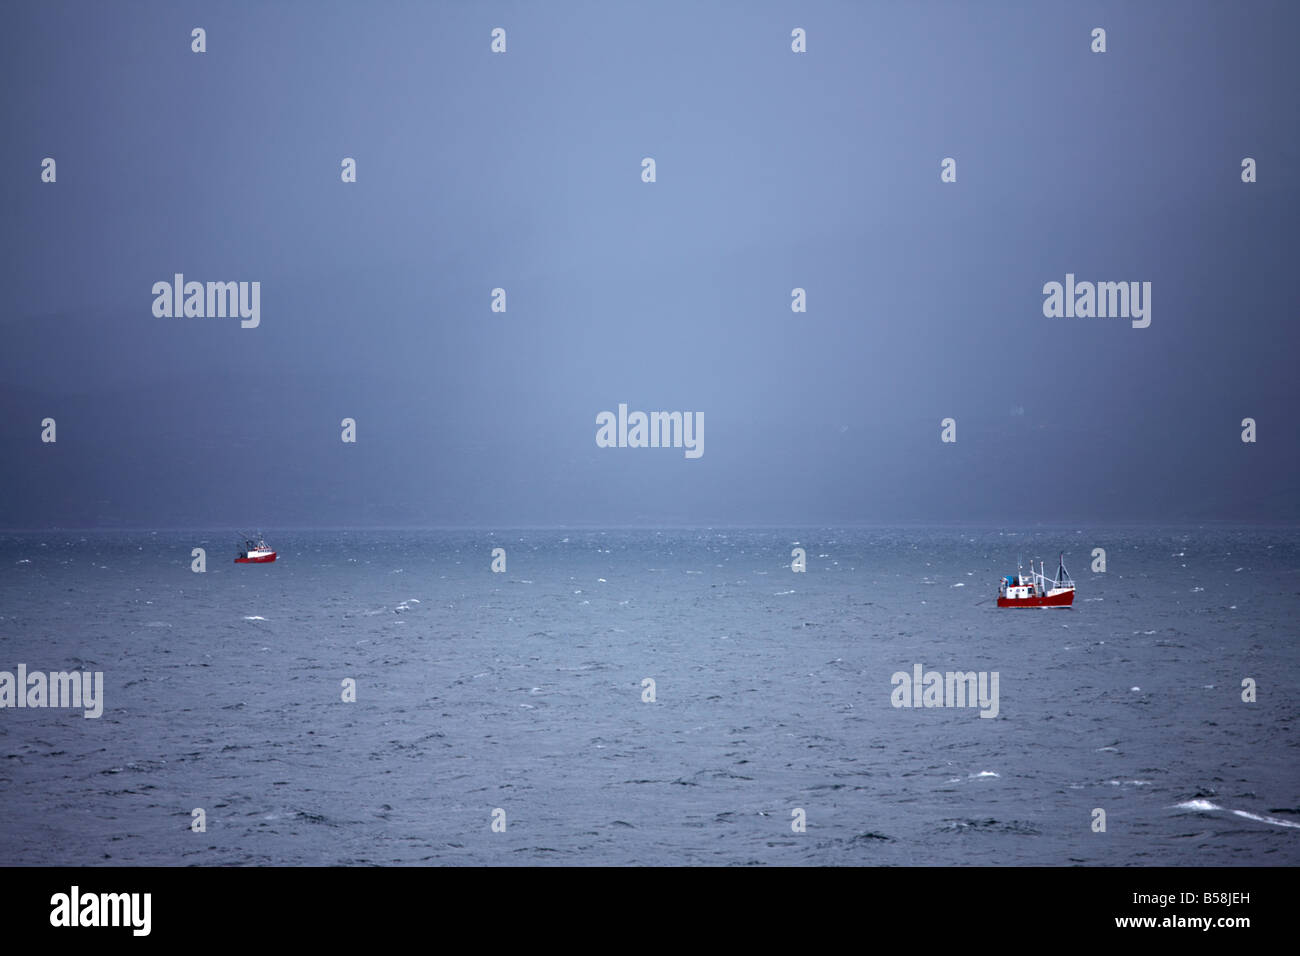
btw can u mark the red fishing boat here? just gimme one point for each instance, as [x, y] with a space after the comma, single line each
[1035, 589]
[255, 552]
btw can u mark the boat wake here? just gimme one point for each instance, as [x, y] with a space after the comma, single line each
[1205, 806]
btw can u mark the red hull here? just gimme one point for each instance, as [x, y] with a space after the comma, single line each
[266, 560]
[1059, 600]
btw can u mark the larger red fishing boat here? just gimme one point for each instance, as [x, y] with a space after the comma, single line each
[1035, 589]
[255, 552]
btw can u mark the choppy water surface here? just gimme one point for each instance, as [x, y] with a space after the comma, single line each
[523, 691]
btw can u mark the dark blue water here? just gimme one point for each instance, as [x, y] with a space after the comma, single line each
[523, 691]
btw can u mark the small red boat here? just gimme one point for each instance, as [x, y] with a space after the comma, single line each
[255, 552]
[1035, 589]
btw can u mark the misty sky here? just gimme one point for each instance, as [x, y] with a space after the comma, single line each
[522, 170]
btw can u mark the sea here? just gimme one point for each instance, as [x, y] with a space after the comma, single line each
[652, 697]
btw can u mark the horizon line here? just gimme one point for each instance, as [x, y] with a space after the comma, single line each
[968, 525]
